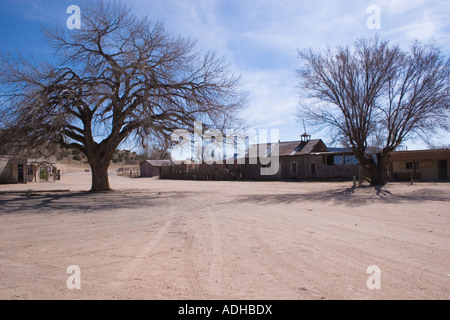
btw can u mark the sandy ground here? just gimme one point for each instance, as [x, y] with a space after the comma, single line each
[162, 239]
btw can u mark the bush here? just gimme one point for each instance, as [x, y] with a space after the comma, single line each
[43, 174]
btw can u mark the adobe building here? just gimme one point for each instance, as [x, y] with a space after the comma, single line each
[24, 170]
[420, 165]
[13, 170]
[303, 160]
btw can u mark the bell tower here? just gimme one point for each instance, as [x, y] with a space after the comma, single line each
[305, 137]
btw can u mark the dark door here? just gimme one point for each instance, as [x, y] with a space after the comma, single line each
[442, 170]
[313, 168]
[20, 173]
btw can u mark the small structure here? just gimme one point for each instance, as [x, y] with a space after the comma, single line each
[419, 165]
[13, 169]
[151, 168]
[23, 170]
[42, 170]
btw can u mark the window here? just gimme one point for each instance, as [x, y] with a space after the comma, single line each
[330, 160]
[412, 165]
[294, 167]
[313, 168]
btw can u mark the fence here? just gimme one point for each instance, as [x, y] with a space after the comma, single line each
[127, 172]
[183, 172]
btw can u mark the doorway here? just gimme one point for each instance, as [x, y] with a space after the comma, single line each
[442, 170]
[313, 168]
[20, 173]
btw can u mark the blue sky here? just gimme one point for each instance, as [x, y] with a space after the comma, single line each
[258, 38]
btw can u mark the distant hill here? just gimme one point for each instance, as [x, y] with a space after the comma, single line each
[73, 156]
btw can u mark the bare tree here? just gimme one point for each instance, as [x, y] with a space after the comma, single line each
[118, 77]
[376, 94]
[155, 152]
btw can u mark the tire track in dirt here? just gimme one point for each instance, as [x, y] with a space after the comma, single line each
[202, 248]
[256, 250]
[285, 270]
[194, 231]
[141, 257]
[216, 270]
[22, 280]
[176, 229]
[279, 263]
[178, 225]
[343, 263]
[191, 271]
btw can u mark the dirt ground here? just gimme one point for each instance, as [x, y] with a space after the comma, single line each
[163, 239]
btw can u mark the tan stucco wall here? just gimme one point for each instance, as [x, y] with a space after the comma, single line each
[428, 169]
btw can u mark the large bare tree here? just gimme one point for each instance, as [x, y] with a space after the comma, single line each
[376, 95]
[118, 77]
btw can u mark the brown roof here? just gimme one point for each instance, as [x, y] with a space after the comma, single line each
[159, 163]
[415, 155]
[292, 148]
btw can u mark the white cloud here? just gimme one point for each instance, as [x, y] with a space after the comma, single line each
[273, 96]
[401, 6]
[421, 30]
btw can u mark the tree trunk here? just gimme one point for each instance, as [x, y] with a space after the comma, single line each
[100, 181]
[376, 176]
[378, 171]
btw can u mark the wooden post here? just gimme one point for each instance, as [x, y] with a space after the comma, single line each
[359, 180]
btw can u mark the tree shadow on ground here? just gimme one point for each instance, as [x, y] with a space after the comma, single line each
[79, 202]
[352, 197]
